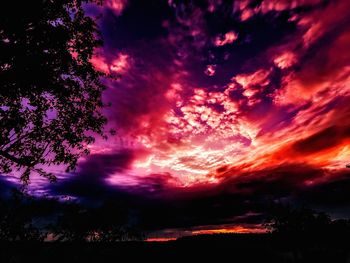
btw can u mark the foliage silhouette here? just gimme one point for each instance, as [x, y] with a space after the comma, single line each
[106, 223]
[50, 95]
[287, 220]
[16, 220]
[301, 228]
[25, 218]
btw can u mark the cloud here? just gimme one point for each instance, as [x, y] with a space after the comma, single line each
[117, 6]
[120, 64]
[325, 139]
[285, 60]
[323, 21]
[227, 38]
[100, 64]
[7, 185]
[243, 201]
[90, 178]
[188, 31]
[330, 194]
[210, 70]
[249, 8]
[276, 181]
[322, 40]
[111, 65]
[241, 229]
[139, 102]
[259, 77]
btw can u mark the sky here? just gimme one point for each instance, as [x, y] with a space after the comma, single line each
[220, 107]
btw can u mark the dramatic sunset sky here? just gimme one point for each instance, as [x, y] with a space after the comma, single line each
[219, 107]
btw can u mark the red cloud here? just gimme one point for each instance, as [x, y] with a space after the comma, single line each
[117, 6]
[312, 80]
[285, 60]
[227, 38]
[247, 10]
[110, 64]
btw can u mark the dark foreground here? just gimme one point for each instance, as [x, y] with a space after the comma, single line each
[216, 248]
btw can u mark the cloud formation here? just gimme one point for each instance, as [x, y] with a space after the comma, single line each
[219, 105]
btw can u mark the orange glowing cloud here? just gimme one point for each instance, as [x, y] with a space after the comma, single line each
[160, 239]
[258, 229]
[227, 38]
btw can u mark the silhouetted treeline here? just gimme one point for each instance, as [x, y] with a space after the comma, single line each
[106, 223]
[16, 220]
[90, 233]
[304, 226]
[25, 218]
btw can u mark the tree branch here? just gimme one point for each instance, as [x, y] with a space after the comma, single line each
[20, 161]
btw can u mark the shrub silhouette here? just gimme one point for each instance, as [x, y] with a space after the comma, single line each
[290, 221]
[25, 218]
[16, 220]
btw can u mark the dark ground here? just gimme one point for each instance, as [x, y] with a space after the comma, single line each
[216, 248]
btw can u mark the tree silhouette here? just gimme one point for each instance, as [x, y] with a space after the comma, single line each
[50, 94]
[106, 223]
[16, 220]
[26, 218]
[289, 221]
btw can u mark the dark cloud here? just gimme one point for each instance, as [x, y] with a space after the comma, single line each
[141, 21]
[90, 178]
[329, 193]
[140, 102]
[327, 138]
[6, 186]
[245, 199]
[99, 166]
[280, 180]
